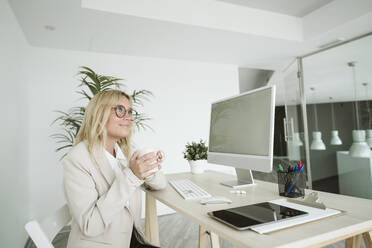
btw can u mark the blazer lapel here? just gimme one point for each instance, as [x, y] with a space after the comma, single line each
[104, 166]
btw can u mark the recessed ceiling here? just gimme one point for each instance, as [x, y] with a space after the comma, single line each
[297, 8]
[83, 29]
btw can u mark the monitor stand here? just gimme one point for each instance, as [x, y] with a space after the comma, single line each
[245, 179]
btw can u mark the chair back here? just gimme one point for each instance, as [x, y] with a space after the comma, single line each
[43, 232]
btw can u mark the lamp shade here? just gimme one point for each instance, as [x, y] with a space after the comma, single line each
[297, 140]
[335, 139]
[369, 137]
[359, 148]
[317, 143]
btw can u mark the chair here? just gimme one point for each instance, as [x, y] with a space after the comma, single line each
[43, 232]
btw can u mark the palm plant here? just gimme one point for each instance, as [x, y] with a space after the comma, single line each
[71, 120]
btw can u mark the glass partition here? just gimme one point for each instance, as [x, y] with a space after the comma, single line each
[289, 135]
[290, 147]
[338, 91]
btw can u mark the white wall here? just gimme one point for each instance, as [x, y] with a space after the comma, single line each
[14, 137]
[250, 78]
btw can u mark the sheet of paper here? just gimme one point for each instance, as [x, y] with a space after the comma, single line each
[314, 214]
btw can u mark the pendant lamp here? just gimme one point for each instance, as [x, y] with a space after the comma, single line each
[359, 148]
[317, 143]
[335, 139]
[297, 140]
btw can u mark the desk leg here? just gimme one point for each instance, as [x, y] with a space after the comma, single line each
[215, 241]
[367, 236]
[151, 221]
[353, 242]
[202, 237]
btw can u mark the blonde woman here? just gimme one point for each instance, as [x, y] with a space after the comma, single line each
[101, 180]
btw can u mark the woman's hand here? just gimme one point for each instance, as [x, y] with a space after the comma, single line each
[160, 158]
[141, 166]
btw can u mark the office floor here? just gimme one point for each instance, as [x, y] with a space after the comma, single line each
[329, 184]
[184, 234]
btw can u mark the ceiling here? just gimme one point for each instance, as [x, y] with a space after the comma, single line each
[298, 8]
[328, 78]
[329, 74]
[69, 26]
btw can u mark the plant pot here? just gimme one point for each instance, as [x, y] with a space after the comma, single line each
[197, 166]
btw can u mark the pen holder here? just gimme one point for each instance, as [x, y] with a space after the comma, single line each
[291, 184]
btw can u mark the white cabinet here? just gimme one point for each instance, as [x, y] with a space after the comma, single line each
[355, 175]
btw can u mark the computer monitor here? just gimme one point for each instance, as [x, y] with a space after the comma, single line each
[242, 133]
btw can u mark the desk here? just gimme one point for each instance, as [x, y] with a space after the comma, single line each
[357, 220]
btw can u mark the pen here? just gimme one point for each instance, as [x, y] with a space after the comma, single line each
[299, 164]
[295, 178]
[290, 188]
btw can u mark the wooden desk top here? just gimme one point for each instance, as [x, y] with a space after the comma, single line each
[357, 219]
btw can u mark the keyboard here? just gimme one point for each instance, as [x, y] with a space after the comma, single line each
[189, 190]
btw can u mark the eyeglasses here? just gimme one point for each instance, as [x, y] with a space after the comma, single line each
[121, 111]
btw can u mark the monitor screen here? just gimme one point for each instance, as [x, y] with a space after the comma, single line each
[241, 124]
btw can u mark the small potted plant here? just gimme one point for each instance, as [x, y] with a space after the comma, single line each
[196, 154]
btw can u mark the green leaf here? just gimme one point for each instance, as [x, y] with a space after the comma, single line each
[195, 151]
[91, 83]
[63, 147]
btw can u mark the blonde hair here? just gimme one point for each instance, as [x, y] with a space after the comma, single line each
[93, 128]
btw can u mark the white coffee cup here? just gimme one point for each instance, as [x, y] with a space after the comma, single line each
[151, 150]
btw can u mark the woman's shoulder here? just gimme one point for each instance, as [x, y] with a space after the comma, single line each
[78, 150]
[78, 156]
[78, 159]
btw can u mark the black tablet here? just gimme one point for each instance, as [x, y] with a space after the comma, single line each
[245, 217]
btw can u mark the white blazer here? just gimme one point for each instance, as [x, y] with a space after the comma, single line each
[104, 204]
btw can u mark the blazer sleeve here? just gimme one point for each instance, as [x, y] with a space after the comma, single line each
[93, 213]
[157, 182]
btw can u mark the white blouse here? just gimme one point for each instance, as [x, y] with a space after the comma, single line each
[115, 162]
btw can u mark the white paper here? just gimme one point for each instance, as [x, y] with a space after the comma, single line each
[314, 214]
